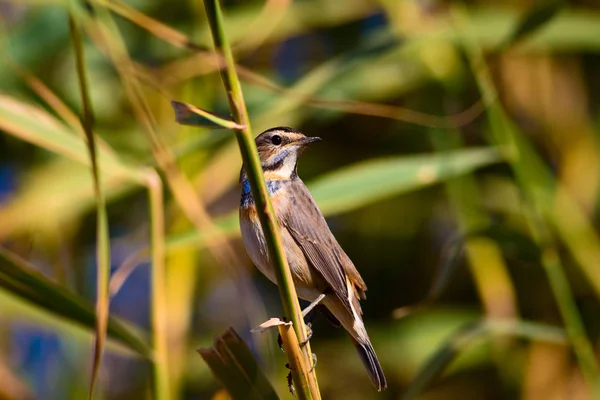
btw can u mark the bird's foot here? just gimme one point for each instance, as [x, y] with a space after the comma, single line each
[314, 360]
[309, 335]
[313, 304]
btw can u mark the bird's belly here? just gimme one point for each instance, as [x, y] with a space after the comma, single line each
[308, 284]
[308, 293]
[254, 241]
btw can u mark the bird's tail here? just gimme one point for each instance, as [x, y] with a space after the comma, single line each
[369, 359]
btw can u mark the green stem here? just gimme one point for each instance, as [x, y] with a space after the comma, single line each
[104, 25]
[158, 288]
[287, 291]
[472, 333]
[102, 234]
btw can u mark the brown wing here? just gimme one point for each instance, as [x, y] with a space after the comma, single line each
[309, 229]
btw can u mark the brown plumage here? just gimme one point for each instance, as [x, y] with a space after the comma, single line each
[317, 262]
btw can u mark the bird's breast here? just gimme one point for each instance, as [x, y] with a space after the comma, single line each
[273, 186]
[254, 241]
[252, 233]
[283, 200]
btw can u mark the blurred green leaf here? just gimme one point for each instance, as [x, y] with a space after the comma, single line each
[571, 30]
[537, 16]
[509, 240]
[35, 125]
[232, 363]
[574, 30]
[20, 279]
[368, 182]
[198, 143]
[370, 48]
[102, 235]
[472, 333]
[54, 194]
[376, 179]
[228, 225]
[544, 196]
[187, 114]
[28, 46]
[449, 259]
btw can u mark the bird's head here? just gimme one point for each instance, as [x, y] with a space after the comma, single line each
[279, 149]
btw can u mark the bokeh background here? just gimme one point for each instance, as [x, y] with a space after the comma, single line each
[460, 159]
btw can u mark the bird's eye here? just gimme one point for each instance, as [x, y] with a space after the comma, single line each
[276, 140]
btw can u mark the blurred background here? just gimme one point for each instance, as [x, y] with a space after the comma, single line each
[459, 170]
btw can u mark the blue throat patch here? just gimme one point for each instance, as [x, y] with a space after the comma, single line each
[246, 188]
[272, 186]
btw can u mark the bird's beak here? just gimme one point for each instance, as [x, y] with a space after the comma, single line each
[306, 141]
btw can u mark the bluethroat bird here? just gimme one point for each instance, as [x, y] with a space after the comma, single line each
[321, 270]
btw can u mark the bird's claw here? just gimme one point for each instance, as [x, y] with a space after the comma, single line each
[309, 335]
[314, 359]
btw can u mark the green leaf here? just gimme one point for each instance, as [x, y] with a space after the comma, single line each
[377, 179]
[509, 240]
[368, 182]
[102, 235]
[53, 194]
[537, 16]
[35, 125]
[232, 364]
[18, 278]
[450, 256]
[547, 202]
[187, 114]
[106, 33]
[472, 333]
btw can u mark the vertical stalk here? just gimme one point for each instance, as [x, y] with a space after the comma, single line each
[102, 234]
[305, 382]
[158, 288]
[103, 26]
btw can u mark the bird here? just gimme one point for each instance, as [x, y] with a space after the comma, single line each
[320, 268]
